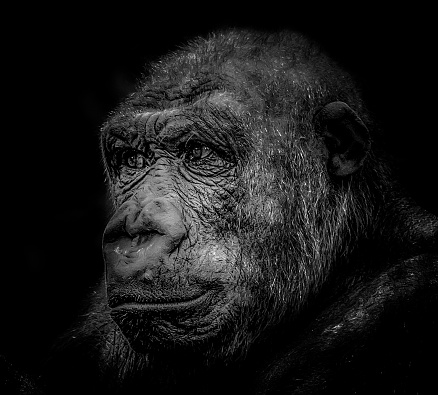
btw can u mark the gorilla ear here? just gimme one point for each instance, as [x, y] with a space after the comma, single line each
[346, 137]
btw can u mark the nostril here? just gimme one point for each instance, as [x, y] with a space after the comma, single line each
[127, 253]
[131, 254]
[113, 233]
[135, 241]
[133, 248]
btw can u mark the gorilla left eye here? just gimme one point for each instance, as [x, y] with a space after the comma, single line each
[197, 152]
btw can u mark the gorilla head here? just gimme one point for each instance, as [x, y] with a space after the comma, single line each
[252, 215]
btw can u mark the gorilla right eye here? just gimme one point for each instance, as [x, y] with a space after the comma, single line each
[131, 158]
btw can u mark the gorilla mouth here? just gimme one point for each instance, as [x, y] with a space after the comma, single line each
[163, 323]
[161, 304]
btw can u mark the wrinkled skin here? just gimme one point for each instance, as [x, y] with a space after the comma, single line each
[162, 247]
[257, 236]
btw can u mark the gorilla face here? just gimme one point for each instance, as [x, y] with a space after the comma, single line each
[175, 276]
[224, 218]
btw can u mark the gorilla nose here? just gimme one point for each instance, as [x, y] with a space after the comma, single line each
[140, 236]
[155, 216]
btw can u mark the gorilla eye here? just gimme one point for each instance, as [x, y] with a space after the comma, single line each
[197, 152]
[133, 159]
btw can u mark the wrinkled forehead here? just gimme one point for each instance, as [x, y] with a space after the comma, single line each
[216, 116]
[221, 107]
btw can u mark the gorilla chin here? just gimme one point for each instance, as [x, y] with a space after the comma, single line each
[157, 325]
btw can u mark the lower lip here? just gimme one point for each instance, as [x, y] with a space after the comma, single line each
[186, 304]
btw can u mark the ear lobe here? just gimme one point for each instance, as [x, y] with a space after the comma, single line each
[346, 137]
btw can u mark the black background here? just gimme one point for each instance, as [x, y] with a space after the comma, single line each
[69, 66]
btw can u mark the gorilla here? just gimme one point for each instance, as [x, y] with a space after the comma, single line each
[259, 241]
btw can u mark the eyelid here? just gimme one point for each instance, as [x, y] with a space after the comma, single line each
[190, 145]
[119, 158]
[193, 142]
